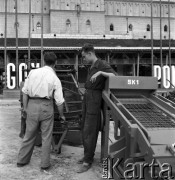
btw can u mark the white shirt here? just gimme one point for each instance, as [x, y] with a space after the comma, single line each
[42, 82]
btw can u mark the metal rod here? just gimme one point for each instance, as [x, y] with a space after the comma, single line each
[127, 25]
[169, 25]
[33, 23]
[78, 19]
[161, 62]
[78, 8]
[152, 46]
[76, 66]
[68, 82]
[70, 90]
[5, 46]
[42, 61]
[29, 37]
[134, 73]
[110, 140]
[138, 62]
[16, 26]
[170, 83]
[166, 60]
[127, 18]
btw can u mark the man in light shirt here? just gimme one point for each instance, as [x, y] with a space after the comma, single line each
[40, 88]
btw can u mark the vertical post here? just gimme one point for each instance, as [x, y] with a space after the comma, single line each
[5, 46]
[152, 50]
[127, 25]
[134, 69]
[127, 16]
[33, 23]
[16, 26]
[166, 62]
[78, 8]
[105, 133]
[29, 35]
[169, 26]
[78, 19]
[76, 66]
[42, 61]
[161, 62]
[138, 63]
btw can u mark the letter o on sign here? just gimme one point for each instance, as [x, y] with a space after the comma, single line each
[166, 76]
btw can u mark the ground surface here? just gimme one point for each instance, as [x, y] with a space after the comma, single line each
[63, 166]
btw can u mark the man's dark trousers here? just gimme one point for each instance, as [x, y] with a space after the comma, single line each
[91, 122]
[39, 112]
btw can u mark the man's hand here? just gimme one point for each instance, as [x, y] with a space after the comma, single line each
[93, 78]
[60, 110]
[63, 118]
[24, 113]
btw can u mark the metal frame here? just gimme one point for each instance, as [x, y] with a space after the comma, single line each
[16, 27]
[136, 142]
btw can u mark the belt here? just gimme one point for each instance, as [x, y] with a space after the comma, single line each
[37, 98]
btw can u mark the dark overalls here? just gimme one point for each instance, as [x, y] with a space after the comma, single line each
[91, 109]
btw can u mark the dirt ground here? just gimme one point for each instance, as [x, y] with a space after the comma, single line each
[63, 166]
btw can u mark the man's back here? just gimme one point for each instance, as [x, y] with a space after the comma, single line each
[41, 82]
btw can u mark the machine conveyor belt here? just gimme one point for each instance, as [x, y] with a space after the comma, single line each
[148, 114]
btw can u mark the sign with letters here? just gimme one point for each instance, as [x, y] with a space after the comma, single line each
[11, 69]
[166, 80]
[131, 82]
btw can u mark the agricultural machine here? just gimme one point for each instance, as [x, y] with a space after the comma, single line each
[144, 129]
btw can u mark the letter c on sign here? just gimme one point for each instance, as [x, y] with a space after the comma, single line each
[9, 78]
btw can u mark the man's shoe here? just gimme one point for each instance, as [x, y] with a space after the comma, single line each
[84, 168]
[21, 164]
[80, 161]
[45, 168]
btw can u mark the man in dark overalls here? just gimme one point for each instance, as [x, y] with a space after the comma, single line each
[94, 85]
